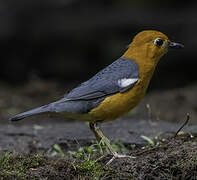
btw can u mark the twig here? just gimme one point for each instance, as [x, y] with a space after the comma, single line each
[149, 112]
[185, 123]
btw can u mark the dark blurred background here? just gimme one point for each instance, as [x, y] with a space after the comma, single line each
[48, 47]
[70, 40]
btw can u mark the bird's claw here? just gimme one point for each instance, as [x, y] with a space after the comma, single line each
[116, 155]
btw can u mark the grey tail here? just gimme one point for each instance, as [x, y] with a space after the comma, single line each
[39, 110]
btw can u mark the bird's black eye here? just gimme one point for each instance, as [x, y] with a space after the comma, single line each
[158, 42]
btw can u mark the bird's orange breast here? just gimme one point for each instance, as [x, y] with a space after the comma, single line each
[117, 105]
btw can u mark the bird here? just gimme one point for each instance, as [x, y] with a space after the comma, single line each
[113, 91]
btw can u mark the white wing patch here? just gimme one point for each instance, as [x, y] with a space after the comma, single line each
[126, 82]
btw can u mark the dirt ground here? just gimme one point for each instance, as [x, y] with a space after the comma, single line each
[54, 148]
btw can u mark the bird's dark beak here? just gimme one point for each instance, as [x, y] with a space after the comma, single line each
[174, 45]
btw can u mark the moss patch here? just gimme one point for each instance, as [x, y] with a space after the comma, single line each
[19, 166]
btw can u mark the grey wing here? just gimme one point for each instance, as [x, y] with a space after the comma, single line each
[120, 76]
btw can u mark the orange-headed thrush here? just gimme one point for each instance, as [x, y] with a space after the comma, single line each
[116, 89]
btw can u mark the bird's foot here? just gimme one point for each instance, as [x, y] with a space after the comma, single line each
[116, 155]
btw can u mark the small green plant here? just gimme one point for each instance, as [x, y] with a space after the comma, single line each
[81, 153]
[149, 140]
[86, 160]
[86, 153]
[118, 146]
[132, 146]
[58, 150]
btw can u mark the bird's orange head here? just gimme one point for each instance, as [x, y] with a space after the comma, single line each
[149, 46]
